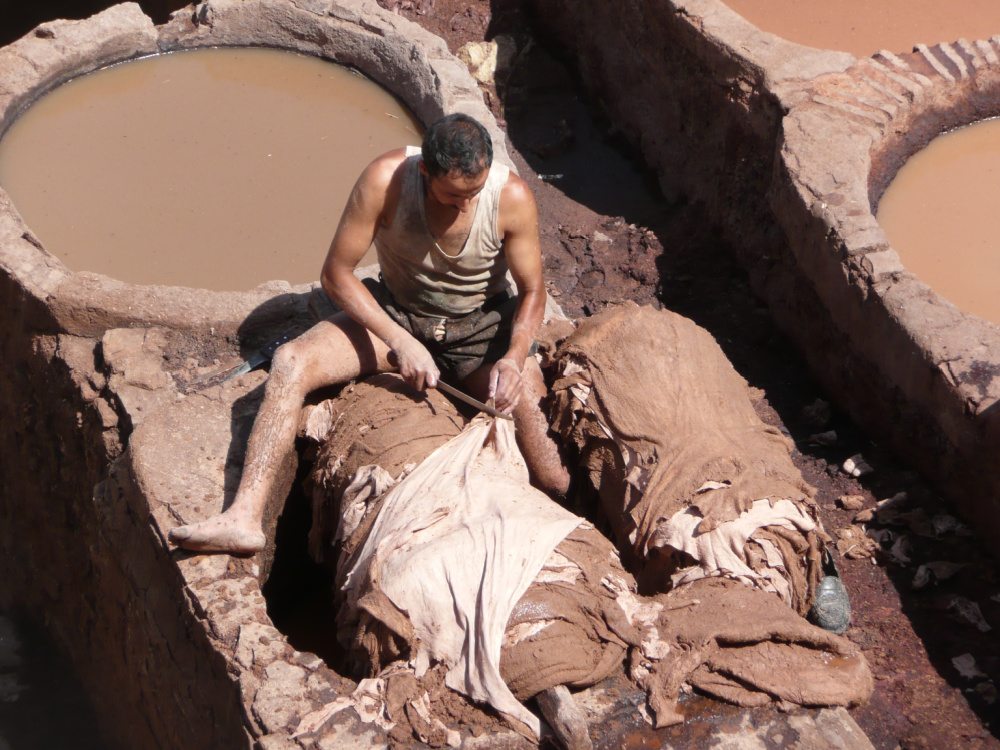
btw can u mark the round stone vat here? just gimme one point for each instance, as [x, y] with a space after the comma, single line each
[788, 148]
[112, 445]
[939, 213]
[938, 366]
[409, 62]
[218, 168]
[863, 28]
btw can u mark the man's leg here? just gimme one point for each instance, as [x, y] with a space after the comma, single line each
[333, 351]
[542, 454]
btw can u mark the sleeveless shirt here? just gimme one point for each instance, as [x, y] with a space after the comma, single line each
[421, 277]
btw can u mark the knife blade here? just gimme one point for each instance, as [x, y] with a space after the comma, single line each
[471, 401]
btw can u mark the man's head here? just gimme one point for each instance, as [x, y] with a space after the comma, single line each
[456, 143]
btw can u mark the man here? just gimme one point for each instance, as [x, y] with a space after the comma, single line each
[447, 223]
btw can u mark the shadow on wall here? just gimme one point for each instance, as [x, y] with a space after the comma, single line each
[18, 17]
[37, 684]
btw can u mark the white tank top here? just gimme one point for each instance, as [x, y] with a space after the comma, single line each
[421, 277]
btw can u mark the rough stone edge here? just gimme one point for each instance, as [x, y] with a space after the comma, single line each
[778, 59]
[937, 359]
[396, 53]
[225, 614]
[813, 249]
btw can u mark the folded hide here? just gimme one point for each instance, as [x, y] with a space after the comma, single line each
[381, 422]
[744, 646]
[450, 550]
[693, 482]
[567, 628]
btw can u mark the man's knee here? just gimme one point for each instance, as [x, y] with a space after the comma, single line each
[290, 364]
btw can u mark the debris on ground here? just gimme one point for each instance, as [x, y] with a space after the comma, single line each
[856, 466]
[851, 502]
[693, 482]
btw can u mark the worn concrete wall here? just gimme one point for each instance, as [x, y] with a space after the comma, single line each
[788, 149]
[922, 374]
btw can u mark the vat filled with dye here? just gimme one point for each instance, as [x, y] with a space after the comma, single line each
[940, 215]
[863, 27]
[213, 168]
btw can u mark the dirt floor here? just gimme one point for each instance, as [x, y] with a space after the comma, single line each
[927, 597]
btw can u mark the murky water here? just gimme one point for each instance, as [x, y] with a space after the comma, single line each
[863, 27]
[213, 168]
[941, 215]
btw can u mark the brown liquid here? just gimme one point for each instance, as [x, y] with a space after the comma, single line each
[214, 168]
[863, 27]
[942, 215]
[843, 662]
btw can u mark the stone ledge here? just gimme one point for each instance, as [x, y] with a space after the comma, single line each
[788, 149]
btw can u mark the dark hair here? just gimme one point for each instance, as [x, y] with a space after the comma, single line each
[457, 142]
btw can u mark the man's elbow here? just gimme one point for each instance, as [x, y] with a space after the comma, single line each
[529, 292]
[332, 281]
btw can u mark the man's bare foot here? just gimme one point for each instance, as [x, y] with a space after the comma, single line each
[222, 533]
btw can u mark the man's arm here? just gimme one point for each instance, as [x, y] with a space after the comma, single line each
[519, 227]
[361, 218]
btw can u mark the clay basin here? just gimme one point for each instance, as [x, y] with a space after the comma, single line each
[938, 364]
[863, 28]
[218, 168]
[410, 63]
[787, 149]
[939, 212]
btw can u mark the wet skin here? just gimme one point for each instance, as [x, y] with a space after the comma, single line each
[364, 340]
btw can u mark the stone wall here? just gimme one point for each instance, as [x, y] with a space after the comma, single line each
[692, 85]
[788, 149]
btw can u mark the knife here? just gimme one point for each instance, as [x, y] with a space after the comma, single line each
[244, 366]
[470, 400]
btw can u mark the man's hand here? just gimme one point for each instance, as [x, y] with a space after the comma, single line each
[414, 361]
[506, 387]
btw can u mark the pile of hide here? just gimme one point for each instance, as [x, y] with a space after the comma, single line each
[454, 572]
[694, 483]
[441, 538]
[378, 428]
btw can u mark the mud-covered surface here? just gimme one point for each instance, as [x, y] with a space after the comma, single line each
[606, 236]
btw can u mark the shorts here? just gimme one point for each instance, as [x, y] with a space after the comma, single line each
[459, 345]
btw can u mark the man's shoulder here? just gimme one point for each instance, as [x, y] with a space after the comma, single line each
[383, 168]
[516, 199]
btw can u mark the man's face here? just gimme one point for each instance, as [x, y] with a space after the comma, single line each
[455, 189]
